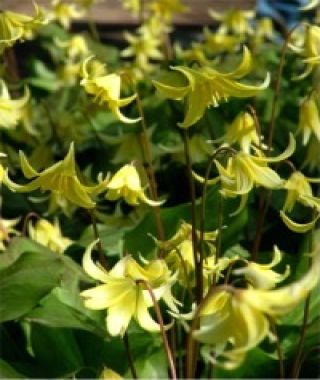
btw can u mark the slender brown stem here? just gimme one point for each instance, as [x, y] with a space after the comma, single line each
[253, 113]
[197, 262]
[129, 356]
[278, 87]
[299, 355]
[146, 150]
[30, 215]
[102, 257]
[279, 350]
[162, 328]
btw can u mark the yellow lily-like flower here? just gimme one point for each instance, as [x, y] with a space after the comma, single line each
[243, 131]
[262, 276]
[106, 89]
[309, 119]
[195, 54]
[217, 43]
[235, 320]
[310, 49]
[205, 86]
[16, 26]
[133, 6]
[166, 9]
[126, 184]
[124, 296]
[11, 110]
[234, 21]
[60, 178]
[7, 229]
[76, 47]
[143, 47]
[65, 13]
[299, 190]
[263, 30]
[49, 235]
[244, 171]
[312, 160]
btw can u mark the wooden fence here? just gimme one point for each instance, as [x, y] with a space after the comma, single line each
[110, 12]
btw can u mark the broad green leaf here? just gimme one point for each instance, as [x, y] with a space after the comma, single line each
[8, 372]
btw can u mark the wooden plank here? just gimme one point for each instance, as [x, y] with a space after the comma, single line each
[110, 12]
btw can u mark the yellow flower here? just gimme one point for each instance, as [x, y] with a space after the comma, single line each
[124, 296]
[261, 276]
[312, 160]
[309, 119]
[143, 47]
[60, 178]
[126, 183]
[6, 229]
[263, 30]
[217, 43]
[16, 26]
[109, 374]
[206, 86]
[64, 13]
[236, 320]
[166, 9]
[49, 235]
[243, 131]
[244, 171]
[133, 6]
[106, 89]
[76, 47]
[299, 190]
[310, 49]
[234, 21]
[11, 110]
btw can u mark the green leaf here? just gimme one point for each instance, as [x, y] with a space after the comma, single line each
[28, 279]
[8, 372]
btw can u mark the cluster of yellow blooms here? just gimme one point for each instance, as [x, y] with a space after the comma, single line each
[232, 319]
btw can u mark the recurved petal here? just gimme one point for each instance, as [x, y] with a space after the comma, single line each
[27, 170]
[281, 157]
[93, 270]
[197, 102]
[300, 228]
[119, 115]
[244, 67]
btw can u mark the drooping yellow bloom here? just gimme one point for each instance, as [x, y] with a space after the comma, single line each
[49, 235]
[126, 184]
[60, 178]
[312, 160]
[11, 110]
[217, 43]
[262, 276]
[299, 190]
[76, 47]
[243, 131]
[16, 26]
[65, 12]
[236, 320]
[310, 49]
[106, 89]
[234, 21]
[143, 47]
[205, 86]
[263, 30]
[124, 296]
[7, 228]
[309, 119]
[166, 9]
[244, 171]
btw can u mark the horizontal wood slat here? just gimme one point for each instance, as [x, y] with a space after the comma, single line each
[110, 12]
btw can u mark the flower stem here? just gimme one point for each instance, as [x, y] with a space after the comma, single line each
[102, 257]
[30, 215]
[162, 328]
[279, 350]
[299, 355]
[146, 150]
[129, 356]
[198, 262]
